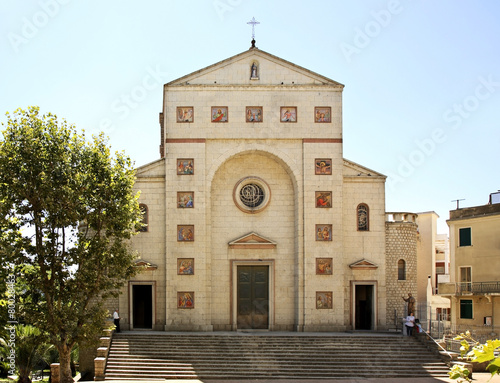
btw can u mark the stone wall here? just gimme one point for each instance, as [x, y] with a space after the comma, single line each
[366, 245]
[283, 156]
[400, 243]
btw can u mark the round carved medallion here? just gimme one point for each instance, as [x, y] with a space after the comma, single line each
[251, 194]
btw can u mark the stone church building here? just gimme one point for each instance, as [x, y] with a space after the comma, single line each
[255, 220]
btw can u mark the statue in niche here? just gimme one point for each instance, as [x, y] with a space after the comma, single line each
[253, 71]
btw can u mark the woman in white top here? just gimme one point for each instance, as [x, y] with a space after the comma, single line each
[410, 324]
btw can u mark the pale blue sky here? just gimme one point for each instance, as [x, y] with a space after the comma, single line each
[422, 78]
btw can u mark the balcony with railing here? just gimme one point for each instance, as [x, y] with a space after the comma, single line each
[479, 287]
[470, 288]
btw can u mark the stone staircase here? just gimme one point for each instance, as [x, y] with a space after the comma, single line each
[162, 355]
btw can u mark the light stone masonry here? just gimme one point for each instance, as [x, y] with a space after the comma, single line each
[258, 266]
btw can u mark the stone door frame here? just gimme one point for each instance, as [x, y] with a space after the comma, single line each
[374, 313]
[131, 303]
[234, 290]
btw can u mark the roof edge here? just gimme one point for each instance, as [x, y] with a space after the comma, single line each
[252, 51]
[368, 170]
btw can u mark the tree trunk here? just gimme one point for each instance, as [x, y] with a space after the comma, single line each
[24, 373]
[65, 364]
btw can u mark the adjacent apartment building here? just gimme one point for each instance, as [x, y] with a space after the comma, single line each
[433, 268]
[474, 290]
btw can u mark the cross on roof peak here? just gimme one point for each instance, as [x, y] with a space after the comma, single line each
[253, 22]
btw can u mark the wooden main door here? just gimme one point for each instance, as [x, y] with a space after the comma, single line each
[253, 297]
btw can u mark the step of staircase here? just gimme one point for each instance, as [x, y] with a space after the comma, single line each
[139, 356]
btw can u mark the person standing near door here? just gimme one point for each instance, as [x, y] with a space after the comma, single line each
[116, 320]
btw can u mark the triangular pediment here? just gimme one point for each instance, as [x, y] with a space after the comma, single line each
[352, 169]
[145, 264]
[270, 70]
[153, 169]
[363, 264]
[252, 241]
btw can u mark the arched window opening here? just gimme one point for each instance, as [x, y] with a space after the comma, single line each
[145, 218]
[363, 217]
[401, 270]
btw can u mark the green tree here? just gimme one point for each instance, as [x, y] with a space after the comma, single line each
[475, 352]
[4, 354]
[67, 209]
[3, 299]
[30, 351]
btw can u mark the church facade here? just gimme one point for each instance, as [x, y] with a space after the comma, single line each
[255, 220]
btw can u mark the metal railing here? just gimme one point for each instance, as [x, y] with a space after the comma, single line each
[444, 352]
[478, 287]
[434, 324]
[477, 332]
[438, 326]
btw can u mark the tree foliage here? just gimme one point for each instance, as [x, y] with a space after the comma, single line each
[476, 352]
[31, 350]
[67, 210]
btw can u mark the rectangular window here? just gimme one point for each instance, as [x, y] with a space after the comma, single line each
[446, 314]
[439, 269]
[466, 309]
[464, 237]
[466, 278]
[442, 313]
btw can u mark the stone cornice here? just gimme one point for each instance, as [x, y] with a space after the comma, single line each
[322, 140]
[185, 140]
[260, 87]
